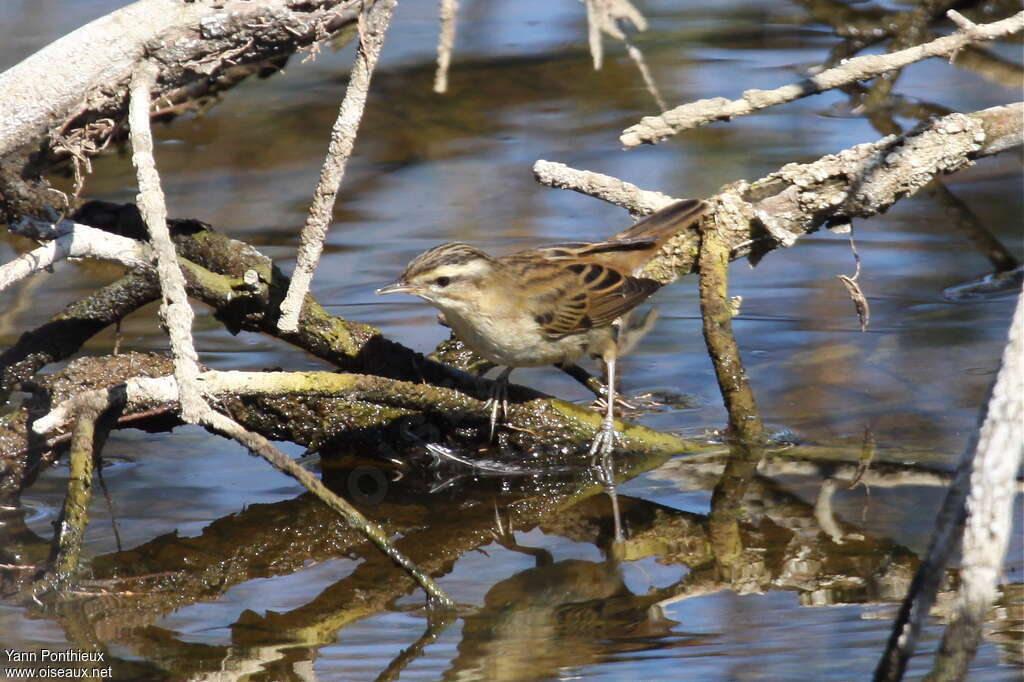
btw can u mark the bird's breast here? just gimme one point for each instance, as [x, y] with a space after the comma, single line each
[515, 340]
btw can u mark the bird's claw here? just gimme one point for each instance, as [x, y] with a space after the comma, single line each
[605, 440]
[498, 402]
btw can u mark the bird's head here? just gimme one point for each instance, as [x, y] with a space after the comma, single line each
[450, 276]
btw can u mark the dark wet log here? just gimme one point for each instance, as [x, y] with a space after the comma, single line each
[64, 334]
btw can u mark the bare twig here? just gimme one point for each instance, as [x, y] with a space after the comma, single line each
[639, 202]
[654, 128]
[445, 42]
[641, 64]
[68, 239]
[372, 28]
[174, 309]
[608, 16]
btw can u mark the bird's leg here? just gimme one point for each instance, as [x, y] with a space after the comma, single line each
[594, 385]
[498, 399]
[604, 441]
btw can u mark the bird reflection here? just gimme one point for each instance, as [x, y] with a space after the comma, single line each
[555, 615]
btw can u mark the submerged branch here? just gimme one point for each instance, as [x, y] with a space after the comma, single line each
[141, 393]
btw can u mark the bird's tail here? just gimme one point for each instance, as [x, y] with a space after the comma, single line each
[662, 224]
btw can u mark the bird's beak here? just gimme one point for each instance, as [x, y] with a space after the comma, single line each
[398, 288]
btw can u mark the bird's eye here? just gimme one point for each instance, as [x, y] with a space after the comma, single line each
[443, 281]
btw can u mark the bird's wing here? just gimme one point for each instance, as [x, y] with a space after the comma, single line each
[586, 294]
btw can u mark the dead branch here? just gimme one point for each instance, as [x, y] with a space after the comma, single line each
[989, 508]
[70, 240]
[639, 202]
[82, 78]
[861, 181]
[177, 316]
[175, 310]
[983, 494]
[448, 11]
[372, 27]
[651, 129]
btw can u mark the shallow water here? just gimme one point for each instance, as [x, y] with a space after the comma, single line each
[434, 168]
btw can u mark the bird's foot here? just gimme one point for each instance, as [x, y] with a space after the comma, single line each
[605, 440]
[498, 402]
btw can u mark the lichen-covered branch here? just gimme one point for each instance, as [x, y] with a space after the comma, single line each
[745, 425]
[75, 514]
[654, 128]
[372, 28]
[141, 393]
[542, 421]
[746, 430]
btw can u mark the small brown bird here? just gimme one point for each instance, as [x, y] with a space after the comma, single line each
[549, 305]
